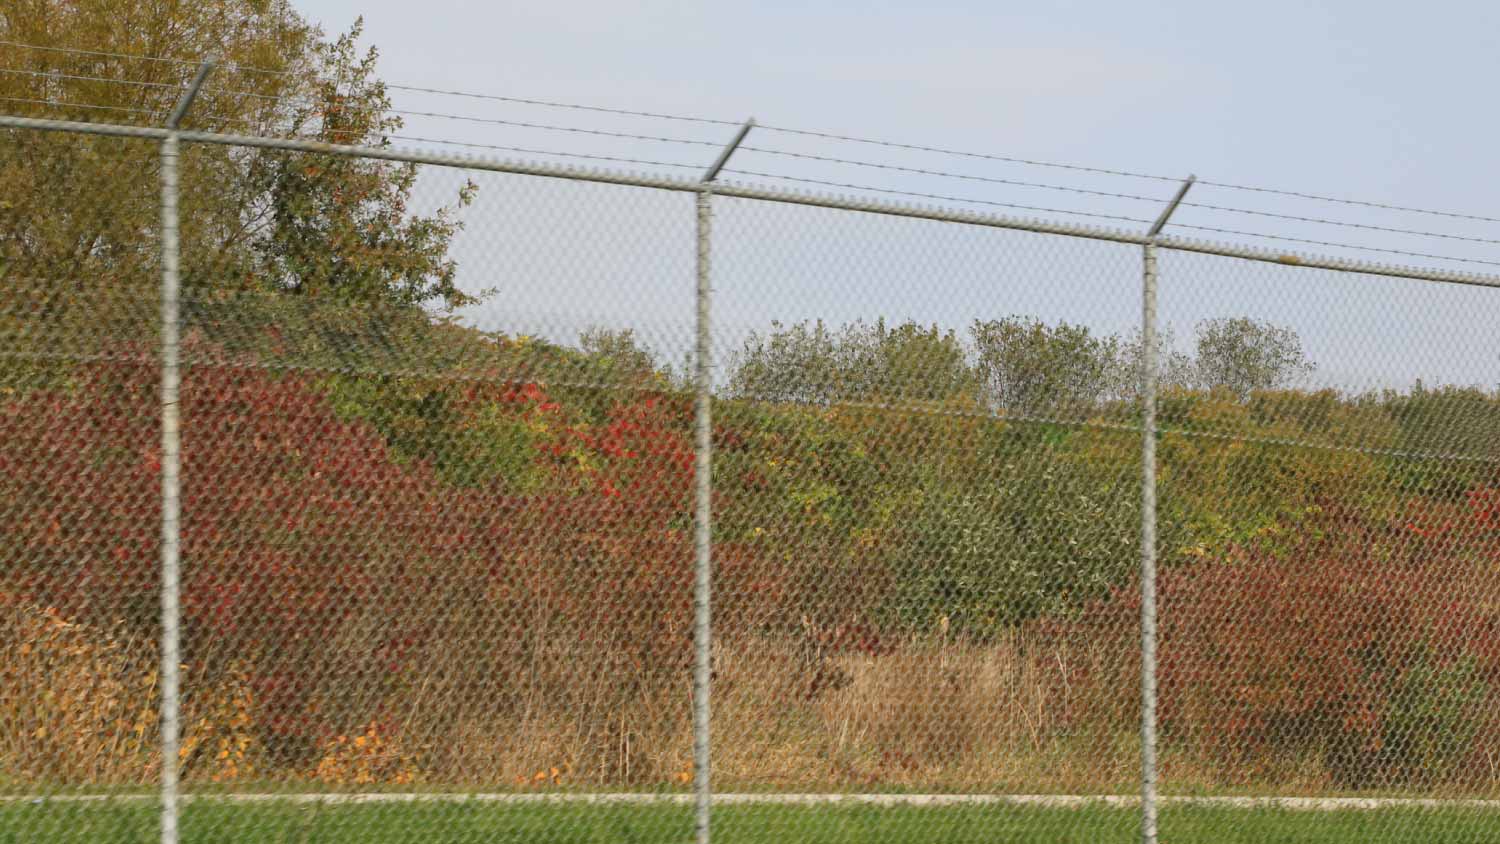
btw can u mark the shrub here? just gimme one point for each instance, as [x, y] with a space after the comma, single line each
[341, 583]
[1372, 646]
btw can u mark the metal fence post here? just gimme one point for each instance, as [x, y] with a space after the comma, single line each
[1148, 546]
[702, 534]
[171, 458]
[703, 504]
[1148, 519]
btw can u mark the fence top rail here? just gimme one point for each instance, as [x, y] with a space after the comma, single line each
[744, 191]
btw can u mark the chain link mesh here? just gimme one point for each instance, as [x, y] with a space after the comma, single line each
[924, 476]
[437, 520]
[1328, 597]
[80, 493]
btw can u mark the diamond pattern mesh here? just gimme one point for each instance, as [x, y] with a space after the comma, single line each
[437, 520]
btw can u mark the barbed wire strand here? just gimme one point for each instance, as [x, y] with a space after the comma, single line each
[552, 104]
[1289, 239]
[950, 175]
[1110, 194]
[948, 198]
[57, 104]
[100, 53]
[1344, 224]
[1128, 173]
[389, 86]
[807, 133]
[961, 153]
[1359, 202]
[195, 118]
[530, 151]
[770, 151]
[234, 66]
[937, 196]
[79, 78]
[555, 128]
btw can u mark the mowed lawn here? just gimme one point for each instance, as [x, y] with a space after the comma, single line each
[387, 823]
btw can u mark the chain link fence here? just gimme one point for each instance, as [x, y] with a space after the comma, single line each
[823, 515]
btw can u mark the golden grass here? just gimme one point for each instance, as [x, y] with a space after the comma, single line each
[78, 706]
[929, 715]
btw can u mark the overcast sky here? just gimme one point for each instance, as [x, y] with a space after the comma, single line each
[1377, 101]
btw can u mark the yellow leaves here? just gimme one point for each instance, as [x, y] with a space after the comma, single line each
[547, 776]
[76, 697]
[367, 758]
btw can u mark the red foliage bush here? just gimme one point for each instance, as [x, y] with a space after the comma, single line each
[333, 574]
[1371, 645]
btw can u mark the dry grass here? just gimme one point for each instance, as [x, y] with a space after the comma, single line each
[77, 705]
[929, 715]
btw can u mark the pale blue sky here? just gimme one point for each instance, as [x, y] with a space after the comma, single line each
[1372, 100]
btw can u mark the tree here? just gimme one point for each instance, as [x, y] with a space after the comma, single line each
[620, 357]
[1027, 366]
[1244, 355]
[808, 363]
[79, 225]
[1174, 370]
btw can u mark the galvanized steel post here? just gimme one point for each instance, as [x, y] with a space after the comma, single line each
[703, 504]
[171, 457]
[1148, 519]
[702, 534]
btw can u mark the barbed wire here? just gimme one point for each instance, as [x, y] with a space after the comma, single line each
[951, 175]
[235, 67]
[937, 196]
[977, 155]
[139, 57]
[47, 74]
[552, 104]
[100, 53]
[196, 118]
[1109, 194]
[1359, 202]
[57, 104]
[1345, 224]
[555, 128]
[530, 151]
[1289, 239]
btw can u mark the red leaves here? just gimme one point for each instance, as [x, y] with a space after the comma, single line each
[326, 569]
[1353, 643]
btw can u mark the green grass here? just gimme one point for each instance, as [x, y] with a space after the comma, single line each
[388, 823]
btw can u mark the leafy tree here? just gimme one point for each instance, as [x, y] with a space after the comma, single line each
[1174, 370]
[79, 225]
[1027, 366]
[808, 363]
[620, 357]
[797, 364]
[1243, 355]
[1045, 522]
